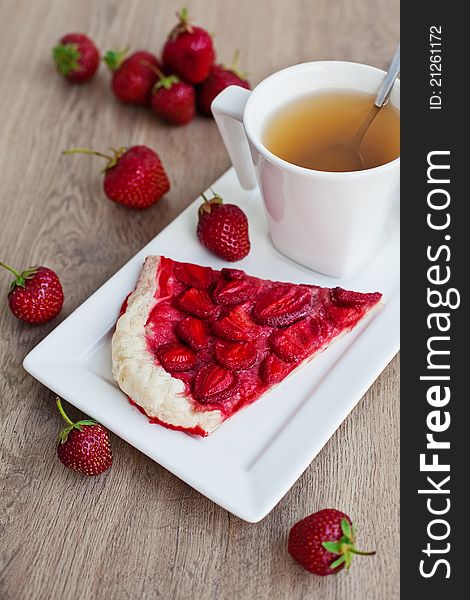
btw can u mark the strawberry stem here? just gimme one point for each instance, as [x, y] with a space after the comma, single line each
[87, 151]
[235, 59]
[153, 68]
[114, 58]
[183, 15]
[8, 268]
[62, 412]
[354, 551]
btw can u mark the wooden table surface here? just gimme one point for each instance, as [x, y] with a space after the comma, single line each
[138, 532]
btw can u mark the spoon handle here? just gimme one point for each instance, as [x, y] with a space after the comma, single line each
[387, 85]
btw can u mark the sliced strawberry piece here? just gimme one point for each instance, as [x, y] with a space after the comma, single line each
[273, 369]
[235, 355]
[176, 357]
[236, 325]
[283, 305]
[296, 341]
[213, 383]
[234, 292]
[194, 275]
[198, 303]
[194, 332]
[233, 273]
[349, 298]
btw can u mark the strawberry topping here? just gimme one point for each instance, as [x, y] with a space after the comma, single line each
[236, 325]
[176, 357]
[194, 332]
[273, 370]
[229, 336]
[283, 305]
[234, 292]
[198, 303]
[235, 355]
[213, 383]
[296, 341]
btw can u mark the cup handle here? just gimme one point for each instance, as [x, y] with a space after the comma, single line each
[228, 108]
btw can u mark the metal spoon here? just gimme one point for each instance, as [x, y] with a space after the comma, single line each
[349, 155]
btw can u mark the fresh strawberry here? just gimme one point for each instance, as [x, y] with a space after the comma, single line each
[35, 295]
[273, 369]
[235, 355]
[197, 302]
[133, 77]
[236, 325]
[234, 292]
[223, 229]
[323, 543]
[282, 305]
[134, 177]
[194, 275]
[173, 100]
[194, 332]
[189, 51]
[176, 357]
[219, 78]
[349, 298]
[294, 342]
[76, 57]
[84, 446]
[213, 383]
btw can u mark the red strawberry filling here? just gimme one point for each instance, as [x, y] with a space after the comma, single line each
[230, 337]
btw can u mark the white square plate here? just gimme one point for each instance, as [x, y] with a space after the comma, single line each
[253, 459]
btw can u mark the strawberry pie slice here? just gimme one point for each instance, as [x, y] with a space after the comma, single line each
[194, 345]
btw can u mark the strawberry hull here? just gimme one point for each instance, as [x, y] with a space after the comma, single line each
[208, 347]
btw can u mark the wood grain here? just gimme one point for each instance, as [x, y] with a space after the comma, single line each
[138, 532]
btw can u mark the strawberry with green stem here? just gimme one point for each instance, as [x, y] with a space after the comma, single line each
[133, 77]
[324, 542]
[35, 295]
[223, 228]
[188, 51]
[76, 57]
[84, 446]
[134, 177]
[172, 99]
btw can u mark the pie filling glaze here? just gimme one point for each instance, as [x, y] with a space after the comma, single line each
[194, 345]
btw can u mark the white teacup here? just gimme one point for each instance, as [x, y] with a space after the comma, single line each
[328, 221]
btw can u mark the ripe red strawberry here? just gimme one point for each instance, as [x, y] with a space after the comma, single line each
[283, 305]
[173, 100]
[223, 229]
[134, 76]
[193, 331]
[176, 357]
[76, 57]
[35, 295]
[134, 177]
[218, 79]
[197, 302]
[213, 383]
[323, 543]
[189, 51]
[84, 446]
